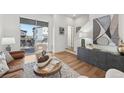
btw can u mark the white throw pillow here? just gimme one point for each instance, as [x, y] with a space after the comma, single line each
[9, 58]
[2, 56]
[3, 67]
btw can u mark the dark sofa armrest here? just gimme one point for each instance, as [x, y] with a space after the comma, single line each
[17, 54]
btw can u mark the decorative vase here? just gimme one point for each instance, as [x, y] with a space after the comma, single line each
[83, 43]
[43, 53]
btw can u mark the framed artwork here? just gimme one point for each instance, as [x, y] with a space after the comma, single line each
[61, 30]
[102, 32]
[78, 29]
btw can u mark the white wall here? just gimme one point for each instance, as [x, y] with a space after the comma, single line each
[79, 22]
[1, 32]
[61, 40]
[121, 26]
[11, 26]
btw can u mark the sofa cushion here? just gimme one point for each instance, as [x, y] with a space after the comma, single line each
[9, 58]
[15, 69]
[15, 63]
[15, 66]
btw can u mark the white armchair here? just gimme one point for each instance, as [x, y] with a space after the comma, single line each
[114, 73]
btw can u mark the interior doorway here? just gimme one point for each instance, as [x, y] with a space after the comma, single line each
[70, 38]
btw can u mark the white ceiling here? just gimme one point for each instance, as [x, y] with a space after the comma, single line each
[75, 15]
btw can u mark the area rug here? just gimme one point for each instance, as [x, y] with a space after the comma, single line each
[66, 72]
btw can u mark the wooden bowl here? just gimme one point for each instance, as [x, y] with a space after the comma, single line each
[43, 59]
[42, 64]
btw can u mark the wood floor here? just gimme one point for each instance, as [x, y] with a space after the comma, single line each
[81, 67]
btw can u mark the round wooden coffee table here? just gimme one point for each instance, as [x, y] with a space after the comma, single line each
[52, 68]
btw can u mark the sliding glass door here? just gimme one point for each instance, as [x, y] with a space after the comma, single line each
[40, 35]
[34, 34]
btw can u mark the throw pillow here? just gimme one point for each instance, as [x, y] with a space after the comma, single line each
[2, 56]
[9, 58]
[3, 67]
[3, 64]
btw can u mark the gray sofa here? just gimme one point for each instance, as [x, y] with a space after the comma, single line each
[103, 60]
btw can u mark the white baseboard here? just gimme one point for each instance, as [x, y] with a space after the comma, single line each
[72, 52]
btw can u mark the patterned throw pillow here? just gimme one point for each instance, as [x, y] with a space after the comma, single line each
[2, 56]
[8, 57]
[3, 64]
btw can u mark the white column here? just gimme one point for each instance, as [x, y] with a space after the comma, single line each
[121, 26]
[53, 33]
[1, 32]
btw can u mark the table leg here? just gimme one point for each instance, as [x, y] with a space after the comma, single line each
[60, 73]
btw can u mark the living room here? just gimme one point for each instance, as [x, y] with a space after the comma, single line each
[10, 27]
[61, 46]
[90, 35]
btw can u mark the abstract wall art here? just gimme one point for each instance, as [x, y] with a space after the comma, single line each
[105, 30]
